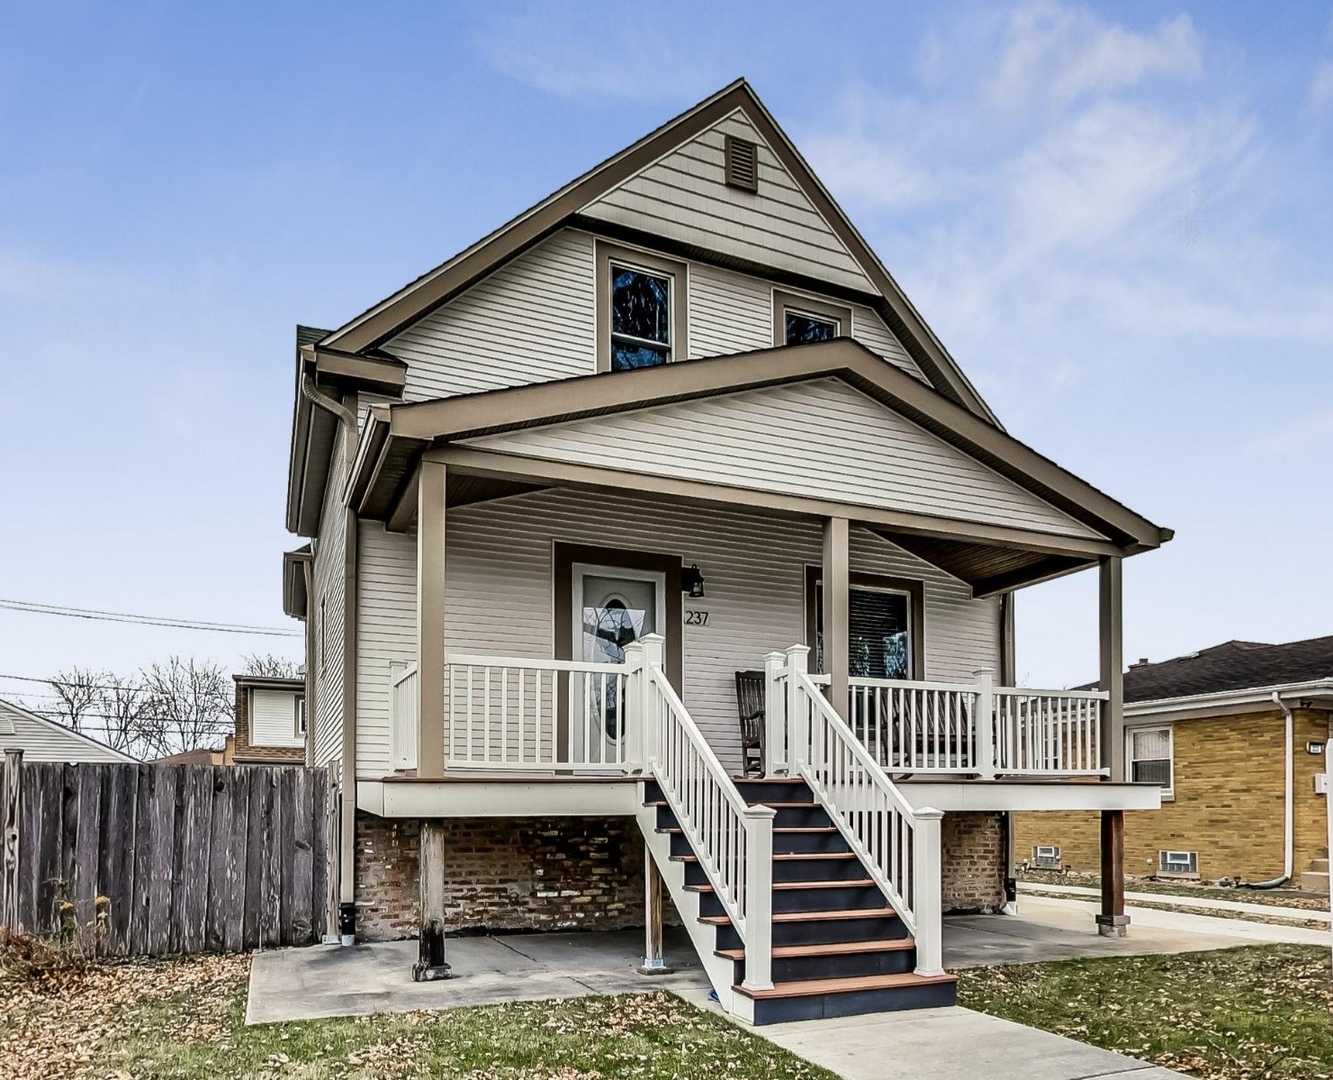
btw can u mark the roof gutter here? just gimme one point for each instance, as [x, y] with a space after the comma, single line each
[1222, 700]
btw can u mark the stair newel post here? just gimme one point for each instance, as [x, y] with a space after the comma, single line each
[634, 711]
[798, 710]
[759, 897]
[927, 894]
[985, 718]
[775, 716]
[654, 653]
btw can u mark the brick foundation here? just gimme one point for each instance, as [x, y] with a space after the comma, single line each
[503, 874]
[973, 850]
[583, 873]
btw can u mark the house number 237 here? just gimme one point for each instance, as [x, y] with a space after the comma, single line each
[696, 618]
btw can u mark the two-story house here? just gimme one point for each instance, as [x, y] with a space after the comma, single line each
[657, 541]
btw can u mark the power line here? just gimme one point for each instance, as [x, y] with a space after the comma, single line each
[144, 620]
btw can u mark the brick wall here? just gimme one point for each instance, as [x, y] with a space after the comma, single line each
[504, 874]
[1228, 803]
[973, 849]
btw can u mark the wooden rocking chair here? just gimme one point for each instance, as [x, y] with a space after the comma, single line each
[750, 708]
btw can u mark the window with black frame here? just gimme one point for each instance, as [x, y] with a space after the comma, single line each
[879, 633]
[640, 318]
[803, 329]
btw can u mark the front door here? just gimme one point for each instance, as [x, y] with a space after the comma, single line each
[612, 607]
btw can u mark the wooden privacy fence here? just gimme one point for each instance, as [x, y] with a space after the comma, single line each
[190, 858]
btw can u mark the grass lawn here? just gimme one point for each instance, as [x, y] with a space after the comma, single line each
[1237, 1014]
[184, 1019]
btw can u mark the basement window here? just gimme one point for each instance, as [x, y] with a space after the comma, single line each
[1149, 755]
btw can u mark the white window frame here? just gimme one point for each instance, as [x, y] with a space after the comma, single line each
[301, 718]
[1168, 790]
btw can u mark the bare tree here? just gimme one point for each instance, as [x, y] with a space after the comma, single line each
[191, 703]
[269, 666]
[129, 720]
[79, 691]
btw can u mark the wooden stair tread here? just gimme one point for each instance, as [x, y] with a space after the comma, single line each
[853, 985]
[838, 948]
[790, 856]
[811, 916]
[781, 886]
[776, 829]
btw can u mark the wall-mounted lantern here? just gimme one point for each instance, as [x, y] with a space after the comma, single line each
[692, 581]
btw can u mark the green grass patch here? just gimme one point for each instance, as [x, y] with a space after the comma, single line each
[1236, 1014]
[154, 1021]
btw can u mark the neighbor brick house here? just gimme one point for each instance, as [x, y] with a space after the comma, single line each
[270, 722]
[656, 541]
[1236, 736]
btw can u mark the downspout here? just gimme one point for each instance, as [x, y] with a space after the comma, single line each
[1288, 810]
[347, 769]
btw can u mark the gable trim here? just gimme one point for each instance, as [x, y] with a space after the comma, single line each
[432, 289]
[473, 415]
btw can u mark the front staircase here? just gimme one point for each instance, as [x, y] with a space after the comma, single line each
[839, 948]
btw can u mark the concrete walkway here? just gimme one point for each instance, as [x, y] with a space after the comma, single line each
[1199, 903]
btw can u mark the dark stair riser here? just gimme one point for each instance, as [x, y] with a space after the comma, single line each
[783, 843]
[855, 1003]
[844, 966]
[841, 898]
[822, 931]
[774, 791]
[785, 817]
[787, 870]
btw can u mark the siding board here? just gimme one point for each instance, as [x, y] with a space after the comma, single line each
[820, 439]
[684, 196]
[325, 717]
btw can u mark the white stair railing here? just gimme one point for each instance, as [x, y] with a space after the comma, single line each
[732, 841]
[899, 846]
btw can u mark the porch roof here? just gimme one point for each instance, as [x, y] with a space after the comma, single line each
[991, 557]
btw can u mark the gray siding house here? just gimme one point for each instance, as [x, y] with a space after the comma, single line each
[41, 739]
[656, 542]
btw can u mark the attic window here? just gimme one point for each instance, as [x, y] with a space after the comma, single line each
[742, 164]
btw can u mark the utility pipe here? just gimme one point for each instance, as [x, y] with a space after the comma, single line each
[1288, 810]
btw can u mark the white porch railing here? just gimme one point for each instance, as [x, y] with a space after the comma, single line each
[404, 711]
[732, 841]
[976, 729]
[899, 846]
[517, 714]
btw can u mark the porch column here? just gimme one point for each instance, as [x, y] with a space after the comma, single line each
[837, 570]
[430, 621]
[1112, 678]
[430, 963]
[1112, 921]
[653, 961]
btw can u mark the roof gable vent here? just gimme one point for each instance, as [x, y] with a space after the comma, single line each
[742, 164]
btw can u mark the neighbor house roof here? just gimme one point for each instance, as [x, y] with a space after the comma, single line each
[1233, 665]
[41, 739]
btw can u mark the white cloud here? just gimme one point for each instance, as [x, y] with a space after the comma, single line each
[1297, 436]
[1319, 96]
[581, 50]
[1065, 53]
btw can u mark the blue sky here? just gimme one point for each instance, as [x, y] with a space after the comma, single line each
[1116, 216]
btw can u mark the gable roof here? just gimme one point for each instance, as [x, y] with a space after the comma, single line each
[397, 433]
[1233, 665]
[417, 299]
[42, 739]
